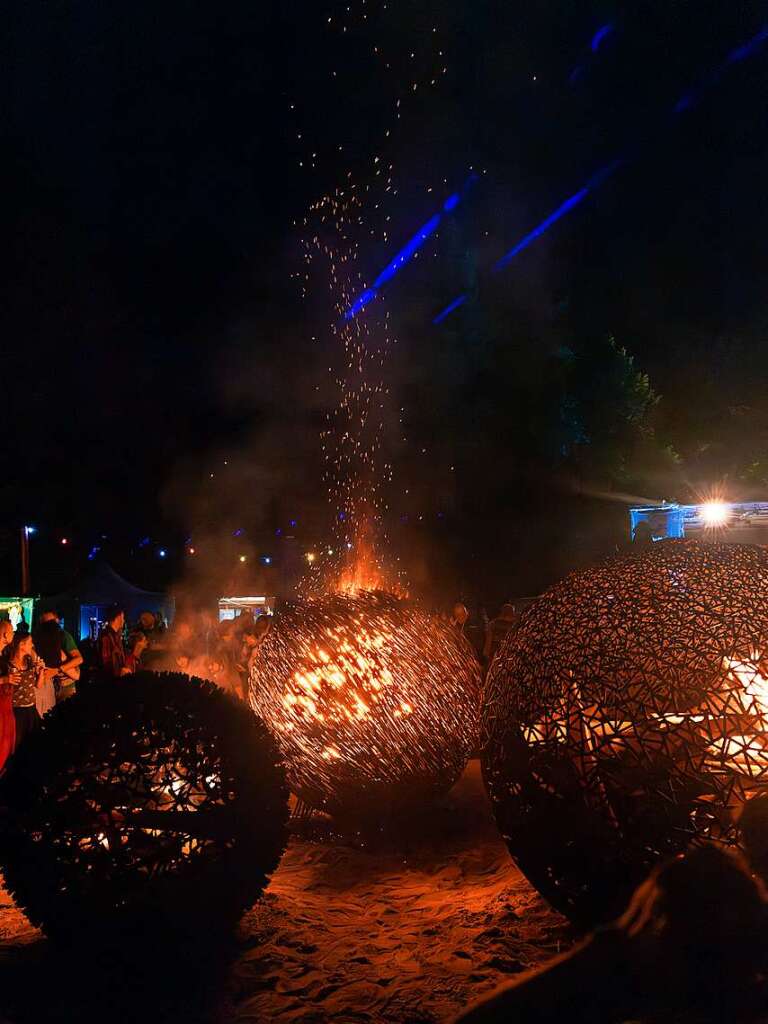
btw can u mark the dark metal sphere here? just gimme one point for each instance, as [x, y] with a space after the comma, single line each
[146, 804]
[374, 703]
[628, 718]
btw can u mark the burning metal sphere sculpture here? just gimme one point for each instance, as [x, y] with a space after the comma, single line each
[374, 704]
[628, 718]
[150, 804]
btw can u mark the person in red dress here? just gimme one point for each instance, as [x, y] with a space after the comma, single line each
[7, 721]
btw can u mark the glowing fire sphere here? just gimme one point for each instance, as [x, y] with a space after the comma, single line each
[145, 805]
[628, 717]
[374, 704]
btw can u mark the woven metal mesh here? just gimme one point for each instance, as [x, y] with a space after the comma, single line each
[628, 717]
[150, 801]
[373, 702]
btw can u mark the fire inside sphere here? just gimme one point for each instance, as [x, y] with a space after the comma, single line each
[144, 806]
[374, 704]
[628, 718]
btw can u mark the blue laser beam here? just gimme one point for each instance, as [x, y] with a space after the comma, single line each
[595, 181]
[739, 53]
[408, 251]
[541, 228]
[449, 309]
[748, 48]
[605, 172]
[595, 43]
[360, 303]
[683, 103]
[599, 36]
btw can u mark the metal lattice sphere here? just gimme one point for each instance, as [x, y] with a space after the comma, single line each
[627, 718]
[374, 704]
[151, 803]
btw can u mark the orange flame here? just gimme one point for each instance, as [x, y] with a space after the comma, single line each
[363, 570]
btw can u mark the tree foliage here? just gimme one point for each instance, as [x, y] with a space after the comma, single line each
[607, 411]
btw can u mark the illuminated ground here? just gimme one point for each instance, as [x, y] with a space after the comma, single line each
[348, 935]
[343, 935]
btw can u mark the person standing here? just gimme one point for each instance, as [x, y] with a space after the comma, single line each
[643, 535]
[111, 653]
[59, 651]
[226, 659]
[253, 638]
[182, 639]
[504, 623]
[6, 634]
[137, 644]
[459, 617]
[146, 624]
[23, 672]
[7, 720]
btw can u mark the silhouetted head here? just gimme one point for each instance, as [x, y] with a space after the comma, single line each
[710, 911]
[116, 618]
[460, 613]
[147, 620]
[6, 632]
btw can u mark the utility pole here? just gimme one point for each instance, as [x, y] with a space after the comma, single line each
[25, 585]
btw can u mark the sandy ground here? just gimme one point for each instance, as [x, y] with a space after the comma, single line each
[343, 934]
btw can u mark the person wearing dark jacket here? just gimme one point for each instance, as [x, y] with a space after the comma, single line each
[112, 659]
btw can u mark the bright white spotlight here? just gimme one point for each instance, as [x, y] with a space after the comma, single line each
[715, 513]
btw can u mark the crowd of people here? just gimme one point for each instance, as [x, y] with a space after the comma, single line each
[41, 668]
[37, 670]
[197, 645]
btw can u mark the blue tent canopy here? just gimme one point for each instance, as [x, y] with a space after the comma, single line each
[84, 606]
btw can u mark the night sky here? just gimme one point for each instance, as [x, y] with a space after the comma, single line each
[152, 178]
